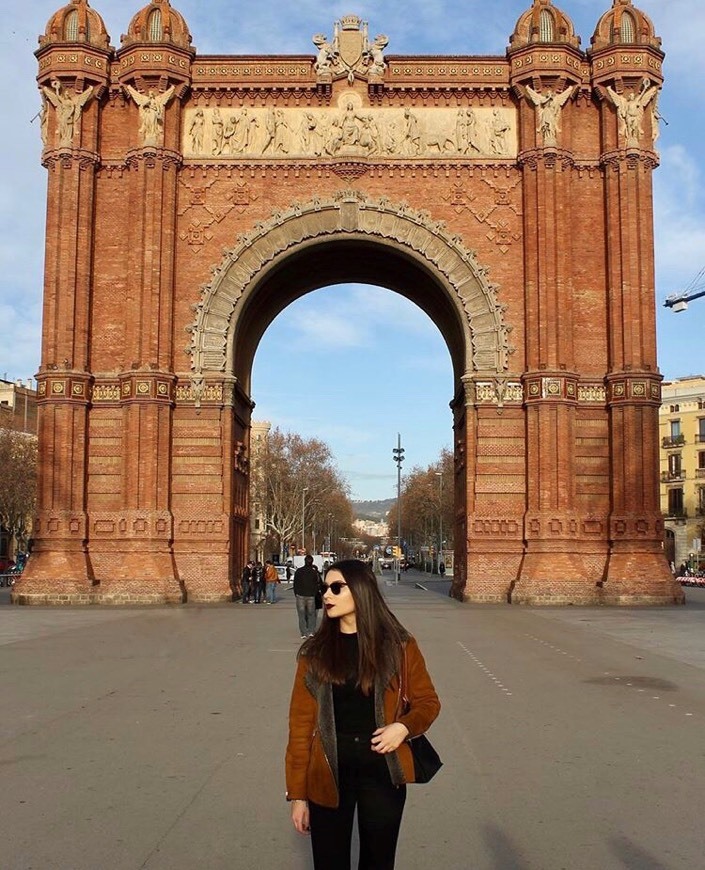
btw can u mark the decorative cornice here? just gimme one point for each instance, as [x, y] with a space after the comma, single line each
[151, 156]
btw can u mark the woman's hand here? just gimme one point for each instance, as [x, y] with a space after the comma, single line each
[299, 816]
[389, 738]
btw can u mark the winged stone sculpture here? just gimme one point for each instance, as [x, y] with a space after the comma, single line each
[68, 110]
[549, 106]
[151, 106]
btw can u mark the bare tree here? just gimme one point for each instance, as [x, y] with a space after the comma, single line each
[18, 483]
[298, 486]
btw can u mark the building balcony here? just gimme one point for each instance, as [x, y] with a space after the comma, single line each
[681, 514]
[673, 441]
[700, 472]
[672, 476]
[700, 438]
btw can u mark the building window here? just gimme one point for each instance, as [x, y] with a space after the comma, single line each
[700, 435]
[154, 26]
[627, 31]
[675, 428]
[701, 459]
[674, 465]
[701, 500]
[675, 409]
[546, 27]
[71, 26]
[701, 404]
[675, 502]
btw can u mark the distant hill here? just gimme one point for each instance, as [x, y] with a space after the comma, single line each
[372, 510]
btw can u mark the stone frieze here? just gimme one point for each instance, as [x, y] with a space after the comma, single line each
[350, 130]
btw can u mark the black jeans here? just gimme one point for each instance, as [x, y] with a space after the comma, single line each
[364, 783]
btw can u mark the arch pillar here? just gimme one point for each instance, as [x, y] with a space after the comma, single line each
[490, 456]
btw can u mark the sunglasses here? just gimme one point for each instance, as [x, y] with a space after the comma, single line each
[335, 587]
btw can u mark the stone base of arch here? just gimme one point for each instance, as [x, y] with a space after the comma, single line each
[635, 577]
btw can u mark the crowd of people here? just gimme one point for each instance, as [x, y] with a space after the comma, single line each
[258, 583]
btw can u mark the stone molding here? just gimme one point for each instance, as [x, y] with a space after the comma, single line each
[351, 211]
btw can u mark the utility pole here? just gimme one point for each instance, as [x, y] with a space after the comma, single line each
[398, 454]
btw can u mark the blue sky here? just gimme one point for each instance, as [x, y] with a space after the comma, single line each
[355, 365]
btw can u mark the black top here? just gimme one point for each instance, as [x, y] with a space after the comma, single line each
[354, 711]
[306, 581]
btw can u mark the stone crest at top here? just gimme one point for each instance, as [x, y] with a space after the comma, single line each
[350, 52]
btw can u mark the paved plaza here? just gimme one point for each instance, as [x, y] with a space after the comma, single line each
[154, 738]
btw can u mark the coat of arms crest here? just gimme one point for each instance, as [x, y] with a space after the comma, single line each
[350, 50]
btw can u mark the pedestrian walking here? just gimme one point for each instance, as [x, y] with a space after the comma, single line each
[349, 720]
[307, 582]
[246, 582]
[271, 579]
[258, 582]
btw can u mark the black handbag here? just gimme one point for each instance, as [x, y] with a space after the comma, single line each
[427, 762]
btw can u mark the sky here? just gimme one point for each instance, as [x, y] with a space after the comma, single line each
[356, 365]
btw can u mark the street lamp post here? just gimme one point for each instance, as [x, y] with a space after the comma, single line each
[398, 454]
[439, 475]
[303, 518]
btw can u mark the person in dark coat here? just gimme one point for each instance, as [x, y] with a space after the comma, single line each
[307, 582]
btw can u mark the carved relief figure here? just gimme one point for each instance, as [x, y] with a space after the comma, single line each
[242, 140]
[196, 131]
[217, 132]
[369, 136]
[68, 110]
[630, 111]
[376, 55]
[151, 107]
[282, 133]
[310, 135]
[411, 144]
[349, 127]
[270, 129]
[548, 111]
[391, 139]
[499, 128]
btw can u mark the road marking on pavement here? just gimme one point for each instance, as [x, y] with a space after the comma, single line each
[485, 669]
[553, 647]
[630, 684]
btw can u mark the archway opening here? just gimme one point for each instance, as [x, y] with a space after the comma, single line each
[352, 365]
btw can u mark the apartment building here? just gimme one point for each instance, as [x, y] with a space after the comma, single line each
[682, 431]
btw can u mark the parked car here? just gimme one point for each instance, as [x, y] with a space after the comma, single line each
[285, 573]
[386, 562]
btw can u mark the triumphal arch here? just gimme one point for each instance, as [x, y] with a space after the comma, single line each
[191, 198]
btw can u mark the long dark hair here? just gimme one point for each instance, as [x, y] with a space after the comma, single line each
[380, 635]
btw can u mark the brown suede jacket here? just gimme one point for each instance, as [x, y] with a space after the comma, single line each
[311, 754]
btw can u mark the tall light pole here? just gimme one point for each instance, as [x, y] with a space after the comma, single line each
[398, 454]
[439, 475]
[303, 518]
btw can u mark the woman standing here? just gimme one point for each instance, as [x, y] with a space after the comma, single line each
[348, 723]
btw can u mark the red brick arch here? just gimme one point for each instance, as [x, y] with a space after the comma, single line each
[501, 195]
